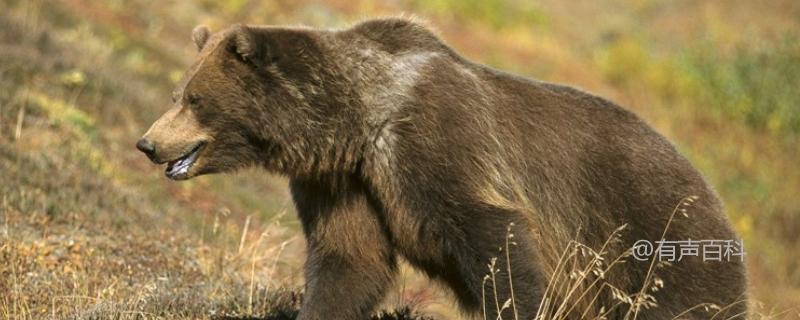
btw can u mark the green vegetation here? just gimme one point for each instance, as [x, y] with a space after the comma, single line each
[752, 84]
[497, 14]
[90, 229]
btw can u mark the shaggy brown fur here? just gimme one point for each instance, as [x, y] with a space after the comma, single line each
[396, 146]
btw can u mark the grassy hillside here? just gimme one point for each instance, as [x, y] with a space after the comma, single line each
[90, 229]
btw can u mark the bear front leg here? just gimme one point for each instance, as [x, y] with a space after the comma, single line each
[350, 263]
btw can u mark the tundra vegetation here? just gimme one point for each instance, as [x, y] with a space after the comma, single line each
[88, 230]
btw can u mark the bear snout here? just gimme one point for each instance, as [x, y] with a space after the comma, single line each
[147, 147]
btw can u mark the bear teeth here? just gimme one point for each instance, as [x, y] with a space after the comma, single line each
[181, 166]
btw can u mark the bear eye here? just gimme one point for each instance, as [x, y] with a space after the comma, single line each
[193, 99]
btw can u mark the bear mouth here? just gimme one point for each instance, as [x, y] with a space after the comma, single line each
[178, 169]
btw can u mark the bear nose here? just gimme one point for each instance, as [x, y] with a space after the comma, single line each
[147, 147]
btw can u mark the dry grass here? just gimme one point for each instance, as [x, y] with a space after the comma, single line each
[580, 279]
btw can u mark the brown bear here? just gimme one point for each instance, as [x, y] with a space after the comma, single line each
[398, 147]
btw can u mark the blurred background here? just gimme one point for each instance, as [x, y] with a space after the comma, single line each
[90, 228]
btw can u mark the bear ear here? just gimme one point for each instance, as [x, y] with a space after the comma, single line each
[243, 42]
[200, 36]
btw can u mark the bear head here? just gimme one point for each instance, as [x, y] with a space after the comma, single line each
[253, 97]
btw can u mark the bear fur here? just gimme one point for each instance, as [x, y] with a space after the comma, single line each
[398, 147]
